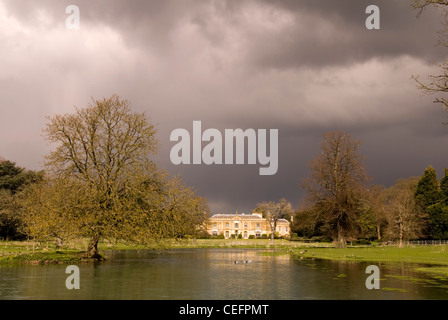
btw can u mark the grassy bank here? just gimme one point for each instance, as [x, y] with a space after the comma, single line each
[434, 255]
[433, 259]
[29, 252]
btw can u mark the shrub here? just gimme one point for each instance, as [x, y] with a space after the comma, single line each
[276, 235]
[362, 242]
[293, 236]
[219, 236]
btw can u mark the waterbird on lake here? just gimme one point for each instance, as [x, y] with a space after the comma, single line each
[243, 261]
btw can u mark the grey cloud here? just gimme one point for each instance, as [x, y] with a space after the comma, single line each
[392, 151]
[401, 33]
[139, 22]
[232, 64]
[151, 24]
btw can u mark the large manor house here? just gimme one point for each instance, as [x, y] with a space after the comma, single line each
[234, 224]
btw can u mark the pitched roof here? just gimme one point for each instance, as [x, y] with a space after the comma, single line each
[233, 215]
[243, 216]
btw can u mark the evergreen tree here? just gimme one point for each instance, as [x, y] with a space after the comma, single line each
[432, 197]
[12, 180]
[428, 191]
[444, 187]
[438, 212]
[438, 221]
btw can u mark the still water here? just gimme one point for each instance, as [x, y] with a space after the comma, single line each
[197, 274]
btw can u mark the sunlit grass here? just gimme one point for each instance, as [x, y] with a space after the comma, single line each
[246, 243]
[22, 251]
[437, 254]
[46, 252]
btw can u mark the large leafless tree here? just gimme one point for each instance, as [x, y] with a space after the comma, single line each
[335, 185]
[273, 211]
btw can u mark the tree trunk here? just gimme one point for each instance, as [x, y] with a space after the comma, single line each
[378, 230]
[273, 230]
[92, 250]
[400, 244]
[59, 243]
[341, 242]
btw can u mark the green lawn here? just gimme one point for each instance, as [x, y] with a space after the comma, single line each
[236, 243]
[30, 252]
[437, 254]
[33, 253]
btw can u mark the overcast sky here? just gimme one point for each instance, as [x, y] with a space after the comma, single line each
[303, 67]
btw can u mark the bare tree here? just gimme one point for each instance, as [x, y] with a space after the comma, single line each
[273, 211]
[422, 4]
[405, 218]
[436, 84]
[336, 185]
[377, 195]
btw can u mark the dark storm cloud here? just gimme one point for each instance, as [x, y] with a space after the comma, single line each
[347, 40]
[302, 67]
[307, 33]
[391, 150]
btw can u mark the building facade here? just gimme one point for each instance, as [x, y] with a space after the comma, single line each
[246, 225]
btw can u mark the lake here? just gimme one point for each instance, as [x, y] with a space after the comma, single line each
[212, 274]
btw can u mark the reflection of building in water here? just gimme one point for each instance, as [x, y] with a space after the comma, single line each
[247, 225]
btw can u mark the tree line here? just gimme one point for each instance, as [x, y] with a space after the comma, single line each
[100, 182]
[342, 206]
